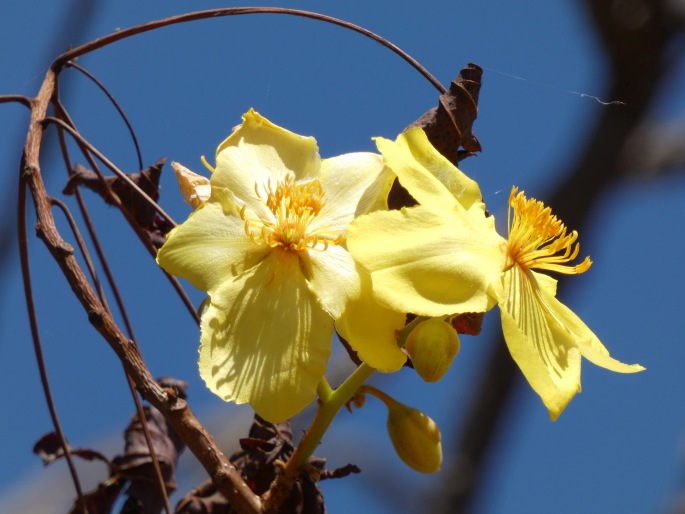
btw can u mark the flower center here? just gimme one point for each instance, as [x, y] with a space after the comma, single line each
[294, 207]
[537, 239]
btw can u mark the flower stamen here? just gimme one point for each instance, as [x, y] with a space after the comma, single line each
[294, 207]
[538, 239]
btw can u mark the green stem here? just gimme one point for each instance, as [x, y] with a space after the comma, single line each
[404, 333]
[324, 390]
[328, 408]
[330, 402]
[386, 399]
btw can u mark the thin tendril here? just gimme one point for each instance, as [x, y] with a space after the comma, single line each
[111, 166]
[237, 11]
[116, 105]
[23, 100]
[122, 309]
[37, 346]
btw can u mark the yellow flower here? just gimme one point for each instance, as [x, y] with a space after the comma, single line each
[268, 245]
[441, 257]
[545, 338]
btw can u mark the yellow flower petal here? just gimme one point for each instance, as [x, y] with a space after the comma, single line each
[545, 355]
[463, 188]
[355, 184]
[371, 330]
[259, 151]
[587, 342]
[547, 340]
[421, 184]
[429, 262]
[209, 248]
[332, 276]
[265, 340]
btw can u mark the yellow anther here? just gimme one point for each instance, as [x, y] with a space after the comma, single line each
[294, 207]
[537, 239]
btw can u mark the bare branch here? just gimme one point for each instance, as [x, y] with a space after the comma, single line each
[116, 105]
[24, 100]
[237, 11]
[111, 166]
[37, 346]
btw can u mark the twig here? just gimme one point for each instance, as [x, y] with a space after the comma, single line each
[237, 11]
[62, 113]
[116, 105]
[37, 346]
[111, 166]
[24, 100]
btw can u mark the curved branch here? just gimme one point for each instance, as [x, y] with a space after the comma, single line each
[134, 395]
[21, 99]
[61, 61]
[78, 137]
[124, 118]
[37, 346]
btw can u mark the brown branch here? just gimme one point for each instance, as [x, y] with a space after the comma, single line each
[237, 11]
[111, 166]
[62, 113]
[175, 409]
[37, 346]
[21, 99]
[116, 105]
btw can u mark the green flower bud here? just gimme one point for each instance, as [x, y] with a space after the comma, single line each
[432, 346]
[415, 436]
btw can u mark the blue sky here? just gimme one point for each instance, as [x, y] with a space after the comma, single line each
[619, 445]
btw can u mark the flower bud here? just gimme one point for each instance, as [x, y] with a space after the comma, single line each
[415, 436]
[432, 346]
[194, 188]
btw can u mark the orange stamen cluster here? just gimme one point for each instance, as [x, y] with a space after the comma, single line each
[537, 239]
[294, 207]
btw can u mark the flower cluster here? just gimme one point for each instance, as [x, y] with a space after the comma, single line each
[291, 248]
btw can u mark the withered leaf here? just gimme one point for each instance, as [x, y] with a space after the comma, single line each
[100, 500]
[346, 470]
[134, 467]
[449, 125]
[469, 323]
[49, 449]
[266, 445]
[144, 214]
[136, 464]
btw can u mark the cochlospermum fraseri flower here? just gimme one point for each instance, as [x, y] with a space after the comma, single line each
[268, 245]
[443, 257]
[545, 338]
